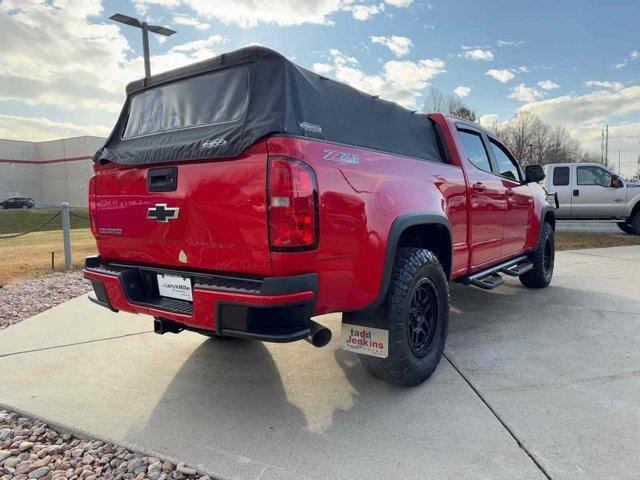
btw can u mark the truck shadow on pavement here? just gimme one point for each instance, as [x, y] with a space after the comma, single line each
[232, 408]
[239, 408]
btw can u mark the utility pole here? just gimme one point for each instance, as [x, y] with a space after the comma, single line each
[606, 146]
[146, 28]
[530, 145]
[619, 171]
[638, 174]
[602, 145]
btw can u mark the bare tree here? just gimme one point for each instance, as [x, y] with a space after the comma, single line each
[437, 101]
[527, 137]
[531, 140]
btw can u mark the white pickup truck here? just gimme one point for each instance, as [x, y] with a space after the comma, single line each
[589, 191]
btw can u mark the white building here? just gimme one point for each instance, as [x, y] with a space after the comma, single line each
[49, 172]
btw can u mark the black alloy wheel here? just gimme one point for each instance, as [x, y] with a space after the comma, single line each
[423, 317]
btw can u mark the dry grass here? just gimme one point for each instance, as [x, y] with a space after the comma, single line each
[13, 221]
[577, 241]
[30, 255]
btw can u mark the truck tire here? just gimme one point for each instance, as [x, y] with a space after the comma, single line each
[417, 315]
[634, 222]
[626, 228]
[543, 259]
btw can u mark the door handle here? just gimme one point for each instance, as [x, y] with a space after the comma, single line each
[162, 179]
[576, 193]
[479, 187]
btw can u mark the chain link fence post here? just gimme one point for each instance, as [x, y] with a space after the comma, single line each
[66, 234]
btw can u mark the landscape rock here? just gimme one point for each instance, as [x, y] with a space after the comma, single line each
[39, 472]
[24, 446]
[32, 450]
[25, 298]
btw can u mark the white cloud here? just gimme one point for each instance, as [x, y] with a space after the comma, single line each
[142, 6]
[523, 69]
[503, 76]
[190, 21]
[322, 68]
[583, 116]
[548, 85]
[340, 59]
[364, 12]
[250, 13]
[525, 94]
[399, 81]
[55, 54]
[398, 45]
[507, 43]
[477, 54]
[399, 3]
[623, 137]
[40, 129]
[488, 119]
[604, 84]
[176, 57]
[201, 48]
[592, 107]
[634, 55]
[462, 91]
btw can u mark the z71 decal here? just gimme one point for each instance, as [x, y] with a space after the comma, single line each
[344, 157]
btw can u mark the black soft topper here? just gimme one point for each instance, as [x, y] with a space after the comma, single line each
[220, 107]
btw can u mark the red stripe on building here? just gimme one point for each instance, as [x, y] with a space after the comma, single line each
[42, 162]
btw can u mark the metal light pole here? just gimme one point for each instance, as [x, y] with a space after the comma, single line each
[146, 28]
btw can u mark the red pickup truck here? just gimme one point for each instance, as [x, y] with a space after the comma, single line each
[242, 195]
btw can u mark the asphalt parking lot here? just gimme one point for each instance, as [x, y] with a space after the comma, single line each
[536, 384]
[602, 228]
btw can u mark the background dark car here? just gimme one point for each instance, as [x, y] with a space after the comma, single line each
[18, 202]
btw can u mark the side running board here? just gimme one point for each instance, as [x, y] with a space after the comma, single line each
[491, 277]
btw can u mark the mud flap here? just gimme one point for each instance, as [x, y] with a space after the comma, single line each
[365, 340]
[365, 333]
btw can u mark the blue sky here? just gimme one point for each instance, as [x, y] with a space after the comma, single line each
[63, 66]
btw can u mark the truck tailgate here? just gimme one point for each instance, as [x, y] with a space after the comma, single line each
[220, 224]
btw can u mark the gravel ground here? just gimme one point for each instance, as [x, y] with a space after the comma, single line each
[29, 449]
[25, 298]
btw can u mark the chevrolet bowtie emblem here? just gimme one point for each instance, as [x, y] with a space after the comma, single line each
[162, 213]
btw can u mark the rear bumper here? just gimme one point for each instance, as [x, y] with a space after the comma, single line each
[276, 309]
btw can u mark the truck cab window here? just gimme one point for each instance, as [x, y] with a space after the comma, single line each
[507, 166]
[474, 148]
[561, 176]
[592, 175]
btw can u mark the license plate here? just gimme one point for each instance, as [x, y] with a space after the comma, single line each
[173, 286]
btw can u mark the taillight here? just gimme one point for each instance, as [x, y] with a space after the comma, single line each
[92, 206]
[293, 205]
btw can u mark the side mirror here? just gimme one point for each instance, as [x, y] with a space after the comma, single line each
[615, 182]
[533, 173]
